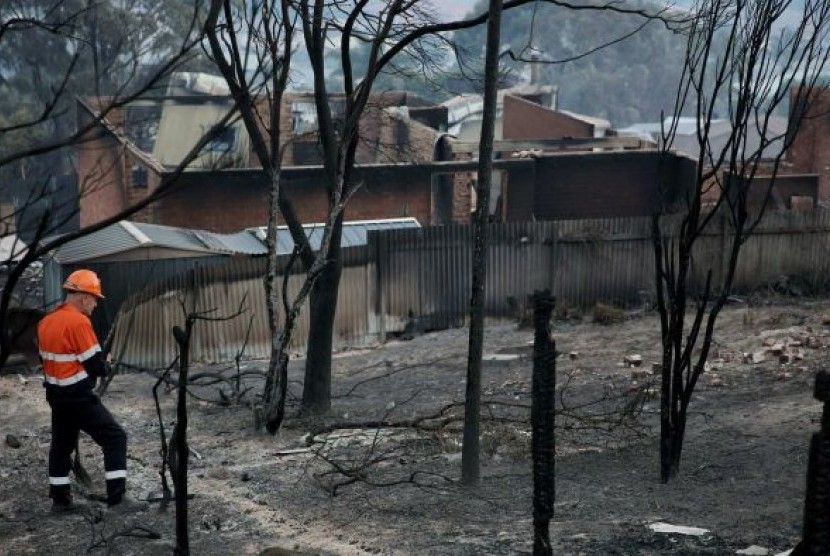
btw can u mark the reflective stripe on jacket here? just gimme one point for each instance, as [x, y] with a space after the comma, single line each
[66, 339]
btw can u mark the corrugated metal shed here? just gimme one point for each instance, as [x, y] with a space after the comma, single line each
[354, 232]
[110, 240]
[130, 255]
[127, 236]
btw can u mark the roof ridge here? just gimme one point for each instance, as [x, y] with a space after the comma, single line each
[133, 230]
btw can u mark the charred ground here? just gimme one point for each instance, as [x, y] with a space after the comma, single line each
[335, 486]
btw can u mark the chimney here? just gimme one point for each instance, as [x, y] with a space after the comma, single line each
[535, 68]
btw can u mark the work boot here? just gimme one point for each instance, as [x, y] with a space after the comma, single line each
[127, 505]
[67, 507]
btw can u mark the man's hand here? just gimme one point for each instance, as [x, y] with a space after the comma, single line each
[97, 367]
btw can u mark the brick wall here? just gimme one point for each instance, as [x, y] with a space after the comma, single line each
[100, 174]
[285, 124]
[136, 194]
[105, 175]
[462, 196]
[213, 206]
[220, 205]
[229, 206]
[810, 150]
[586, 185]
[785, 188]
[463, 185]
[388, 138]
[392, 199]
[385, 137]
[523, 119]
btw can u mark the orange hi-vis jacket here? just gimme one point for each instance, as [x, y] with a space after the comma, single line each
[66, 339]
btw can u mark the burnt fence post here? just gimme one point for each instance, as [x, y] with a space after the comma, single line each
[542, 422]
[181, 451]
[816, 533]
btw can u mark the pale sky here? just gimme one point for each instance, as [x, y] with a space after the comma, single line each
[454, 9]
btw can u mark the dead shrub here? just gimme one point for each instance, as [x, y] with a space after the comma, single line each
[565, 311]
[608, 314]
[505, 440]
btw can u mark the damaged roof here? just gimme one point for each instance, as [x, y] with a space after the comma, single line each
[124, 237]
[354, 232]
[127, 236]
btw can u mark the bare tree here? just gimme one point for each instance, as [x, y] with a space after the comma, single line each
[543, 421]
[381, 27]
[179, 439]
[472, 409]
[761, 66]
[269, 28]
[470, 453]
[179, 450]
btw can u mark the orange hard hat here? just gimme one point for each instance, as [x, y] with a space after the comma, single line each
[84, 281]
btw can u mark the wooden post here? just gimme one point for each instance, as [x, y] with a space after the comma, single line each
[542, 419]
[816, 533]
[180, 446]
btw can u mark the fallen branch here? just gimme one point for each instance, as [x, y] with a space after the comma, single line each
[210, 378]
[134, 531]
[366, 460]
[394, 372]
[360, 476]
[598, 421]
[442, 420]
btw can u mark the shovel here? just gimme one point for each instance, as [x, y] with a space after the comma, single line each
[78, 469]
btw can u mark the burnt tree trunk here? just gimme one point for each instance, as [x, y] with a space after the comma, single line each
[276, 412]
[542, 421]
[815, 539]
[180, 445]
[470, 451]
[322, 311]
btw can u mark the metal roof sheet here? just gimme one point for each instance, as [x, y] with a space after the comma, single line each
[168, 236]
[107, 241]
[125, 236]
[243, 242]
[354, 232]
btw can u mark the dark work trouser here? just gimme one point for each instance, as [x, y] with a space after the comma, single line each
[83, 411]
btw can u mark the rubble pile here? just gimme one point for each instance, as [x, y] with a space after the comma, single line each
[783, 349]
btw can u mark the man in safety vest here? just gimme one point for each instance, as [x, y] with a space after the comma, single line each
[72, 360]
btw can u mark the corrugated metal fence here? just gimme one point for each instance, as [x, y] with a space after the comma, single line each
[142, 333]
[423, 276]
